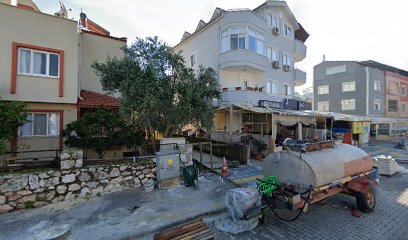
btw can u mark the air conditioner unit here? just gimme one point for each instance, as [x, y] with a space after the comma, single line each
[276, 64]
[275, 31]
[286, 68]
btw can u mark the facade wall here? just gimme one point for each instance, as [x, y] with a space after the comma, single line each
[354, 72]
[69, 112]
[392, 93]
[376, 75]
[96, 48]
[41, 30]
[404, 99]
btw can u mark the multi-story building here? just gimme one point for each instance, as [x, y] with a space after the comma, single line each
[254, 52]
[46, 63]
[366, 88]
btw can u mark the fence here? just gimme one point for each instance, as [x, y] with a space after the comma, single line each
[29, 159]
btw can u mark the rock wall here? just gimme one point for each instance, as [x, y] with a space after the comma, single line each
[37, 189]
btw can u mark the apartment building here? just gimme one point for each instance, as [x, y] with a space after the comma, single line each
[46, 63]
[253, 51]
[365, 88]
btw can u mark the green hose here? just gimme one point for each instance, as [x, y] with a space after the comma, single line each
[268, 185]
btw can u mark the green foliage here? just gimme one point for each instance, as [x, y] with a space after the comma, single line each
[258, 142]
[28, 204]
[100, 130]
[157, 89]
[12, 116]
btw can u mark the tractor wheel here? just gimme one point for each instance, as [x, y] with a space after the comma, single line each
[366, 201]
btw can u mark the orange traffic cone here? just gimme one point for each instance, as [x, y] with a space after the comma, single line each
[224, 171]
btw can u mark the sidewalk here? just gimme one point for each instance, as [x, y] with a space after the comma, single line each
[130, 214]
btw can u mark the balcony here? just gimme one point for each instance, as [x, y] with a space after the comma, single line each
[247, 96]
[243, 59]
[300, 50]
[300, 77]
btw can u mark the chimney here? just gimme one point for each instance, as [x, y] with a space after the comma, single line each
[83, 21]
[14, 2]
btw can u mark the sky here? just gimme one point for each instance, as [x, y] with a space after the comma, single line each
[340, 30]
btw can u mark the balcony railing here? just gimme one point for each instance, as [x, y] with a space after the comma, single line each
[300, 77]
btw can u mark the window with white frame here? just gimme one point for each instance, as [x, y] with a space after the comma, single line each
[348, 104]
[38, 63]
[377, 104]
[336, 69]
[224, 41]
[272, 20]
[403, 91]
[193, 59]
[287, 90]
[256, 42]
[287, 60]
[323, 89]
[348, 86]
[323, 106]
[287, 30]
[272, 53]
[403, 107]
[41, 124]
[272, 87]
[377, 86]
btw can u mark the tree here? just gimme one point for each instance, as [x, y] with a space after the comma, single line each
[158, 89]
[101, 130]
[12, 116]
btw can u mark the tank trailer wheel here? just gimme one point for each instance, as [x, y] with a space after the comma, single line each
[366, 202]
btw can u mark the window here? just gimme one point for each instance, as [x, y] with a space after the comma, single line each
[237, 41]
[256, 42]
[377, 104]
[334, 70]
[348, 86]
[323, 89]
[41, 124]
[287, 90]
[193, 59]
[272, 87]
[272, 20]
[272, 53]
[377, 86]
[38, 63]
[403, 91]
[224, 41]
[392, 105]
[286, 59]
[403, 107]
[323, 106]
[287, 30]
[348, 104]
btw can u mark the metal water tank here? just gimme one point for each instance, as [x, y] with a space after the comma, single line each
[317, 168]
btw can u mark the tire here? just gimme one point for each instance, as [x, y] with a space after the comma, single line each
[366, 201]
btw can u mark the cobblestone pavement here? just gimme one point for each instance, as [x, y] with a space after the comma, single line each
[331, 221]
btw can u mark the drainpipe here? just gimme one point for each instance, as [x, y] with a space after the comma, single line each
[368, 90]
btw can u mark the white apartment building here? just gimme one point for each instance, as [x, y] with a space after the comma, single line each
[254, 53]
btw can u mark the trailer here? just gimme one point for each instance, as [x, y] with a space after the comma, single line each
[296, 179]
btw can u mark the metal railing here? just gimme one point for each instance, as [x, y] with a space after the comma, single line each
[29, 159]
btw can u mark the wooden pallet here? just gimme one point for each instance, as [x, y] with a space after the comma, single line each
[192, 230]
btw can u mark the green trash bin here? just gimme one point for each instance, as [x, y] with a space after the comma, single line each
[190, 176]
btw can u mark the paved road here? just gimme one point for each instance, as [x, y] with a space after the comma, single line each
[331, 221]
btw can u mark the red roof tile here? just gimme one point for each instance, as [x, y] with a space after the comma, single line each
[93, 99]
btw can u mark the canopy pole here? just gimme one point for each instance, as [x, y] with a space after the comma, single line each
[331, 131]
[231, 112]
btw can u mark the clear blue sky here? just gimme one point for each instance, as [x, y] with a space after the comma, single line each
[340, 29]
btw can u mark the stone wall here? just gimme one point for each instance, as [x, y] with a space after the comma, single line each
[36, 189]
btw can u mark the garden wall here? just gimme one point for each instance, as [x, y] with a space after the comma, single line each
[37, 189]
